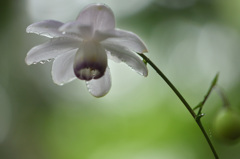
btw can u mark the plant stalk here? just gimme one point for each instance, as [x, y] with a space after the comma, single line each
[179, 95]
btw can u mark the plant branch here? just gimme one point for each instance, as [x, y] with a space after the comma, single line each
[200, 105]
[179, 95]
[169, 84]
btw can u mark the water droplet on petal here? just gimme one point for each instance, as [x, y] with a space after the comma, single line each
[140, 73]
[42, 62]
[49, 60]
[34, 63]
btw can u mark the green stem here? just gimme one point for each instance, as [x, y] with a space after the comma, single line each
[179, 95]
[207, 138]
[170, 85]
[208, 94]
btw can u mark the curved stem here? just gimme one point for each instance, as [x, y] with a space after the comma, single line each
[207, 138]
[170, 85]
[179, 95]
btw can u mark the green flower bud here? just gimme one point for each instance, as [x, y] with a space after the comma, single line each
[227, 125]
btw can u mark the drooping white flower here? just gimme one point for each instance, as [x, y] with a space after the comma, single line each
[81, 48]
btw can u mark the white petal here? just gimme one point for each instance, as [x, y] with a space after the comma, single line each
[62, 69]
[51, 49]
[99, 16]
[48, 28]
[100, 87]
[126, 39]
[120, 54]
[83, 31]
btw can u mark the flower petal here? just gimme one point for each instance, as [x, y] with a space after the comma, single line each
[51, 49]
[62, 69]
[100, 87]
[90, 61]
[126, 39]
[48, 28]
[83, 31]
[121, 54]
[99, 16]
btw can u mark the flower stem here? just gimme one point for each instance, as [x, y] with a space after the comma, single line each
[179, 95]
[207, 138]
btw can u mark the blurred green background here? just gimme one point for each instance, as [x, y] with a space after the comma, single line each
[140, 118]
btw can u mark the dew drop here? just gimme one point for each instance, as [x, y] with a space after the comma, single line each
[201, 115]
[140, 73]
[42, 62]
[34, 63]
[210, 133]
[49, 60]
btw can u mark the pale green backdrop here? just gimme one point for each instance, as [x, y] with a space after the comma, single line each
[140, 118]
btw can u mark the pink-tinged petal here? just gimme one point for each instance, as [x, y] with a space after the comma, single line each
[99, 16]
[100, 87]
[51, 50]
[48, 28]
[126, 39]
[62, 69]
[90, 61]
[120, 54]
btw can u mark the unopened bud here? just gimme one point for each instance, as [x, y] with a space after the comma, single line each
[227, 125]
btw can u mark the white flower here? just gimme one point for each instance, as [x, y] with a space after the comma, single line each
[80, 48]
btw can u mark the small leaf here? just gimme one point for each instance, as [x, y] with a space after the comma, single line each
[214, 82]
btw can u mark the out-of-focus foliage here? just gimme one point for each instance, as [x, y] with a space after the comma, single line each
[190, 40]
